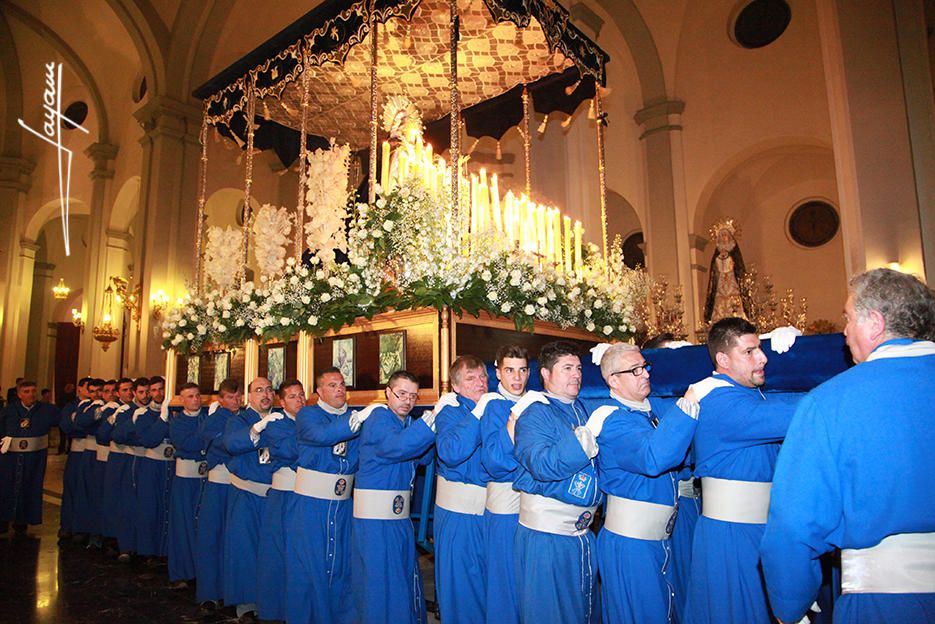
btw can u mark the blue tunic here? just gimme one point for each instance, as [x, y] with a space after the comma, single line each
[100, 491]
[852, 472]
[186, 491]
[682, 536]
[500, 529]
[212, 511]
[88, 503]
[245, 510]
[22, 474]
[387, 580]
[279, 438]
[555, 574]
[639, 461]
[121, 475]
[460, 568]
[153, 485]
[737, 438]
[72, 461]
[318, 531]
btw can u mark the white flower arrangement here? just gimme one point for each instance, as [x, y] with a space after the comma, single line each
[326, 199]
[222, 256]
[271, 229]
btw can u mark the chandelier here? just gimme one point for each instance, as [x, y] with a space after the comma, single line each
[60, 290]
[106, 332]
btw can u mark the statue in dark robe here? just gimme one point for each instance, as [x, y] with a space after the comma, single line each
[725, 294]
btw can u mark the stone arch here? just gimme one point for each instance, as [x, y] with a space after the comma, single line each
[50, 210]
[189, 64]
[74, 61]
[629, 21]
[11, 104]
[622, 218]
[150, 36]
[126, 205]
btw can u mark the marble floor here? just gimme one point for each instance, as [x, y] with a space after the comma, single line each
[42, 582]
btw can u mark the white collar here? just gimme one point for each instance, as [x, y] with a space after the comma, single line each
[506, 393]
[337, 411]
[640, 406]
[918, 348]
[560, 399]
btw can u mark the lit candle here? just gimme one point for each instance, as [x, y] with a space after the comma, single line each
[402, 169]
[567, 221]
[495, 203]
[508, 217]
[540, 232]
[385, 167]
[579, 235]
[549, 236]
[483, 202]
[475, 221]
[557, 233]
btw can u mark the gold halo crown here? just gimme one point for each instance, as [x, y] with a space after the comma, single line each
[401, 118]
[724, 224]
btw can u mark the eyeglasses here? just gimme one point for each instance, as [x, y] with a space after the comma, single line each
[404, 396]
[636, 371]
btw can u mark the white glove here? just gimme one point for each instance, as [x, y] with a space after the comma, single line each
[5, 444]
[781, 339]
[812, 610]
[112, 418]
[595, 422]
[691, 408]
[446, 400]
[259, 426]
[703, 387]
[678, 344]
[213, 407]
[428, 417]
[136, 414]
[598, 351]
[98, 402]
[164, 411]
[533, 396]
[481, 406]
[358, 417]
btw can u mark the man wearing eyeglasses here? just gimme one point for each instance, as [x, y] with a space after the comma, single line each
[387, 580]
[736, 444]
[251, 475]
[501, 515]
[460, 497]
[555, 558]
[640, 454]
[318, 526]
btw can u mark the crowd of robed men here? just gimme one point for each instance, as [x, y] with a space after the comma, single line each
[720, 507]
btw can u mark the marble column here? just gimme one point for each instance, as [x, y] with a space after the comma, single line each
[15, 268]
[168, 189]
[667, 235]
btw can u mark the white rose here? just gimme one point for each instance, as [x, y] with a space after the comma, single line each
[381, 203]
[376, 234]
[182, 322]
[202, 330]
[313, 320]
[506, 307]
[284, 321]
[589, 326]
[290, 261]
[492, 295]
[388, 225]
[598, 303]
[238, 323]
[542, 301]
[529, 309]
[165, 334]
[587, 313]
[189, 336]
[226, 314]
[486, 276]
[306, 300]
[607, 330]
[325, 297]
[222, 328]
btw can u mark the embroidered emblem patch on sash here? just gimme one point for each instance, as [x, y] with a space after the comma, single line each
[398, 505]
[341, 484]
[23, 444]
[24, 423]
[202, 468]
[584, 521]
[169, 452]
[579, 485]
[339, 449]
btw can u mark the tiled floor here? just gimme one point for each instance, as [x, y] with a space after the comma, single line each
[44, 583]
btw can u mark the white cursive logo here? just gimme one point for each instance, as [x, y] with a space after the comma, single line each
[52, 134]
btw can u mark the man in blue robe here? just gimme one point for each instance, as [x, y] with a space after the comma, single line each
[640, 453]
[71, 479]
[852, 473]
[555, 560]
[318, 525]
[387, 580]
[191, 471]
[212, 508]
[25, 429]
[116, 465]
[735, 445]
[154, 471]
[280, 438]
[126, 437]
[501, 514]
[102, 433]
[87, 420]
[460, 497]
[251, 475]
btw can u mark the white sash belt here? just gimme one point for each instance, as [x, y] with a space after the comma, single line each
[163, 452]
[77, 445]
[323, 485]
[900, 564]
[103, 452]
[219, 474]
[284, 479]
[465, 498]
[190, 468]
[502, 498]
[638, 519]
[687, 488]
[746, 502]
[28, 445]
[90, 443]
[136, 451]
[381, 504]
[548, 515]
[117, 448]
[260, 489]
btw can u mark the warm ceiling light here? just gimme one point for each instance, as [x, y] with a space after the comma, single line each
[60, 290]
